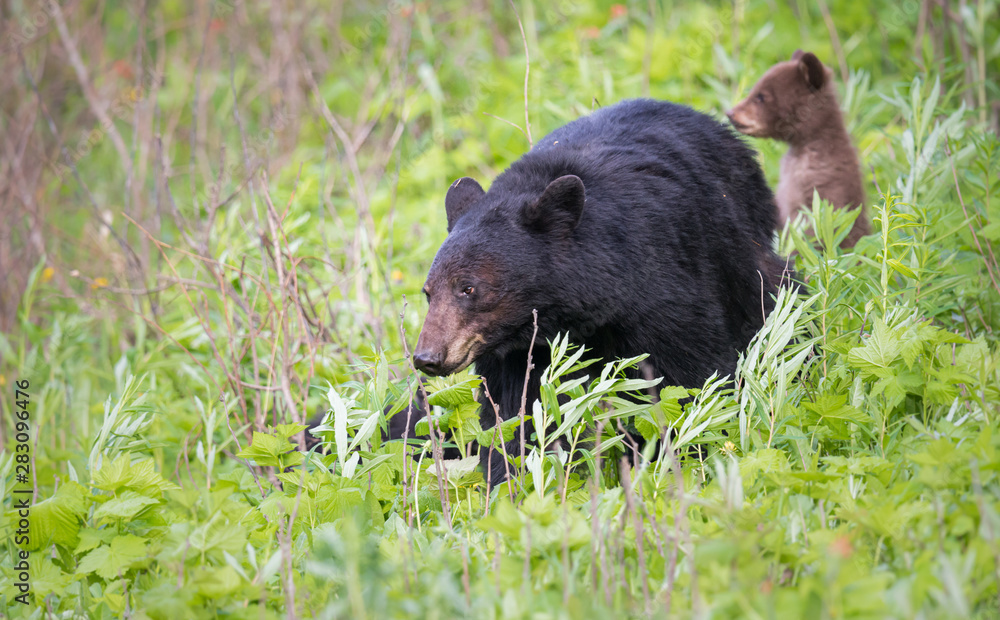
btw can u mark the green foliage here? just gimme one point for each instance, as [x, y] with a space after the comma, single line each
[849, 469]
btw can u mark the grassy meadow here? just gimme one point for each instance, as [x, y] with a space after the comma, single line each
[216, 222]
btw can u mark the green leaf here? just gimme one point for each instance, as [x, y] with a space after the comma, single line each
[110, 560]
[451, 395]
[47, 578]
[455, 468]
[128, 505]
[876, 356]
[141, 477]
[506, 520]
[899, 267]
[287, 430]
[216, 582]
[465, 421]
[991, 231]
[834, 406]
[266, 450]
[91, 539]
[59, 518]
[486, 437]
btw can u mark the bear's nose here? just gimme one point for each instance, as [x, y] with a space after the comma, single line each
[428, 361]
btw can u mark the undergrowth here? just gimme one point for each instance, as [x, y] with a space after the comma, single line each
[173, 357]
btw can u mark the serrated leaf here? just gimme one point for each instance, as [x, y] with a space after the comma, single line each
[287, 430]
[454, 395]
[47, 578]
[91, 539]
[465, 420]
[110, 560]
[59, 518]
[141, 477]
[834, 406]
[126, 506]
[267, 450]
[507, 428]
[877, 354]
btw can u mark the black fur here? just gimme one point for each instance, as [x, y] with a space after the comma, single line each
[671, 254]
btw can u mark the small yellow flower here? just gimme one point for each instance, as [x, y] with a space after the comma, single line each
[728, 448]
[47, 274]
[99, 283]
[3, 380]
[396, 275]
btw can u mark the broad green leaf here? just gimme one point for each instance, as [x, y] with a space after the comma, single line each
[126, 506]
[109, 561]
[59, 518]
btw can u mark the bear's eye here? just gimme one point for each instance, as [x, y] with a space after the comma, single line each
[468, 290]
[760, 97]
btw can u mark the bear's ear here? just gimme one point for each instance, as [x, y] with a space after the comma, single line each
[559, 207]
[797, 54]
[812, 70]
[462, 194]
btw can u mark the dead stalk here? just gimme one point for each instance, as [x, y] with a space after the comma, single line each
[524, 391]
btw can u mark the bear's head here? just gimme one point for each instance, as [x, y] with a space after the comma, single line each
[789, 97]
[491, 271]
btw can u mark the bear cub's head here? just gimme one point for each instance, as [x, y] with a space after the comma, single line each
[493, 269]
[787, 100]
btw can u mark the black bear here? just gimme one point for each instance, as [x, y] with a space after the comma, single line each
[645, 227]
[796, 102]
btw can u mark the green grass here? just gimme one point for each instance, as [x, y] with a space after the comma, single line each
[261, 263]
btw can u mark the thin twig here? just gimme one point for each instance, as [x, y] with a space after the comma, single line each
[88, 92]
[524, 391]
[514, 125]
[406, 429]
[835, 41]
[527, 71]
[497, 432]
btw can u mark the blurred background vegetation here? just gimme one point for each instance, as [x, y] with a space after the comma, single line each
[238, 202]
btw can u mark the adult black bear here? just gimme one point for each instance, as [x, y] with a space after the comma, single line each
[645, 227]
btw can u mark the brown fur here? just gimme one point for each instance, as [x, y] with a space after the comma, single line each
[795, 102]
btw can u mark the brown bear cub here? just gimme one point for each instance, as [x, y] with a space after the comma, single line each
[795, 102]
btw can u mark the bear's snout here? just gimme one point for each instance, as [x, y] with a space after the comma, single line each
[737, 120]
[430, 362]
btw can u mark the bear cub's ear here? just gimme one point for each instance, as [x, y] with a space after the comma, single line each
[812, 70]
[559, 207]
[462, 194]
